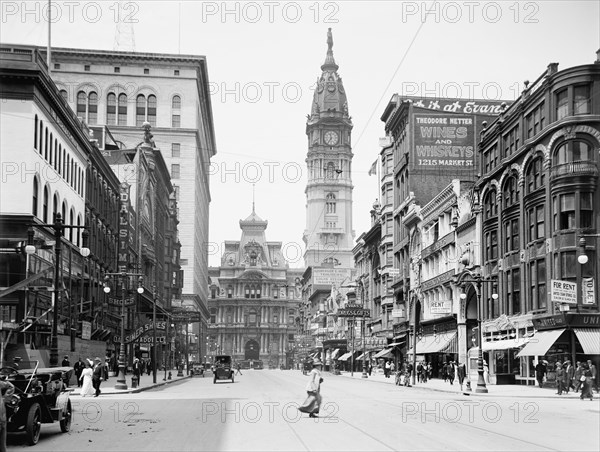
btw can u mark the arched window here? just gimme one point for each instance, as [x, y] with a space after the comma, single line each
[64, 211]
[92, 108]
[330, 170]
[330, 204]
[64, 162]
[535, 177]
[34, 206]
[48, 147]
[490, 206]
[140, 110]
[59, 161]
[54, 206]
[67, 169]
[510, 192]
[82, 105]
[45, 205]
[152, 110]
[79, 231]
[111, 108]
[64, 95]
[572, 151]
[176, 112]
[122, 110]
[71, 221]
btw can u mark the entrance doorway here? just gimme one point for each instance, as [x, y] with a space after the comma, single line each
[251, 350]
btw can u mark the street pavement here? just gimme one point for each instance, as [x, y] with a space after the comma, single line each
[259, 413]
[436, 384]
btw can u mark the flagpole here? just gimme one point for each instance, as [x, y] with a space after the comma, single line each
[48, 56]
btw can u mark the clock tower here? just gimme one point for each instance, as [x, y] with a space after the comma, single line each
[328, 235]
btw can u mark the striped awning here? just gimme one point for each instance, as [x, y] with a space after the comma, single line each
[335, 353]
[541, 341]
[438, 343]
[385, 353]
[589, 339]
[505, 344]
[345, 356]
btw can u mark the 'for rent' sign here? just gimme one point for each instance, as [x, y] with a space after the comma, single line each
[563, 292]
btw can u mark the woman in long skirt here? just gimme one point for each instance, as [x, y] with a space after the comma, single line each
[586, 388]
[312, 404]
[86, 376]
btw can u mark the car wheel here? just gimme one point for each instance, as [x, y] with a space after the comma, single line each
[65, 423]
[34, 424]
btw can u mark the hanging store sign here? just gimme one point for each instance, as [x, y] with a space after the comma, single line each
[123, 257]
[141, 331]
[186, 316]
[353, 311]
[120, 302]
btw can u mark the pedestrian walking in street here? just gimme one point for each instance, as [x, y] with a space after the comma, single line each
[451, 370]
[540, 372]
[570, 375]
[408, 373]
[312, 404]
[461, 373]
[592, 368]
[98, 375]
[137, 369]
[561, 378]
[6, 389]
[238, 369]
[66, 375]
[486, 372]
[586, 379]
[420, 371]
[78, 368]
[370, 368]
[85, 379]
[577, 380]
[386, 369]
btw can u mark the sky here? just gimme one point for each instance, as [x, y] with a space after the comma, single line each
[264, 58]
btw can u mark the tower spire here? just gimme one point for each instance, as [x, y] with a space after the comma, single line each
[329, 64]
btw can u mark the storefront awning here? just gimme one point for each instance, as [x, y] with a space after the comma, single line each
[385, 353]
[589, 340]
[439, 343]
[335, 353]
[505, 344]
[345, 356]
[362, 356]
[541, 341]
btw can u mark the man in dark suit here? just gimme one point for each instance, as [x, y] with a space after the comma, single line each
[97, 376]
[540, 372]
[570, 375]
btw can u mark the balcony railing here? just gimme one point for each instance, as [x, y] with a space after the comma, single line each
[579, 168]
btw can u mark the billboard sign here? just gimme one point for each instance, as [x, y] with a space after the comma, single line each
[330, 276]
[440, 307]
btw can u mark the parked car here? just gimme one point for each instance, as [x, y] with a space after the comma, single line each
[223, 369]
[40, 398]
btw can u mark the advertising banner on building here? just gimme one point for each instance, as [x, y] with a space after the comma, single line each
[563, 292]
[330, 276]
[440, 307]
[123, 257]
[588, 291]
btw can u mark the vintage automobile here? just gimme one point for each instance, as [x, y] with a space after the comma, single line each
[223, 369]
[40, 397]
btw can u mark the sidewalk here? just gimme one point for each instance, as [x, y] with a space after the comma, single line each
[526, 392]
[108, 387]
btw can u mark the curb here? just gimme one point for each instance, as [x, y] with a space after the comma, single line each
[145, 388]
[473, 393]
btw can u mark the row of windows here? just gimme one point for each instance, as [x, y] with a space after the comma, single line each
[52, 150]
[116, 69]
[43, 213]
[573, 100]
[116, 108]
[569, 152]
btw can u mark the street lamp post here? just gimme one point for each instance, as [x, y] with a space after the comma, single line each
[478, 280]
[121, 383]
[58, 226]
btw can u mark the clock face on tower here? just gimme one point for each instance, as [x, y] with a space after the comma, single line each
[331, 137]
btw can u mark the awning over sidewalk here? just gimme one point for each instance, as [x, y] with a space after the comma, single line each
[345, 356]
[505, 344]
[385, 353]
[439, 343]
[335, 353]
[540, 342]
[589, 339]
